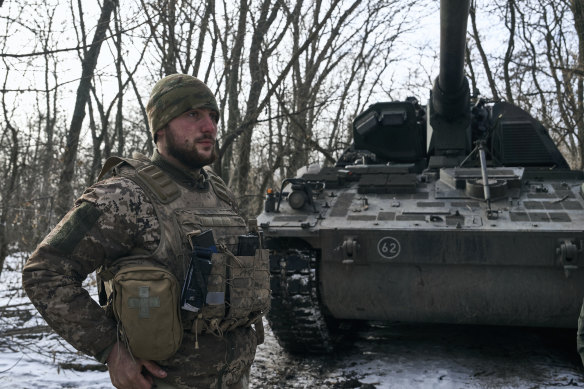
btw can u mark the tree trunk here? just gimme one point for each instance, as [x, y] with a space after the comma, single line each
[65, 189]
[119, 128]
[209, 10]
[232, 80]
[9, 185]
[578, 11]
[170, 57]
[488, 72]
[257, 60]
[509, 52]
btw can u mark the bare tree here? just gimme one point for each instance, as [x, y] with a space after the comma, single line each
[577, 9]
[315, 108]
[9, 178]
[250, 118]
[65, 189]
[479, 46]
[258, 57]
[539, 68]
[27, 142]
[175, 26]
[511, 26]
[560, 108]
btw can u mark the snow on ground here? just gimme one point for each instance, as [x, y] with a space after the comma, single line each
[31, 356]
[382, 355]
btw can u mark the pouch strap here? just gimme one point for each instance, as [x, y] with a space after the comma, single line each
[197, 326]
[101, 291]
[258, 325]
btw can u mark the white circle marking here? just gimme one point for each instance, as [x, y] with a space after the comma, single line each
[388, 247]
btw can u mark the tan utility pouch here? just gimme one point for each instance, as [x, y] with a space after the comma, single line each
[145, 302]
[249, 286]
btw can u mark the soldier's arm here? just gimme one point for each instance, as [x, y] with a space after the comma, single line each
[106, 223]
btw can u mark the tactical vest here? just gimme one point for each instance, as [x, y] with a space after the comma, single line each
[182, 212]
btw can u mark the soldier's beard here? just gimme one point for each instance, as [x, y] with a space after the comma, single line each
[188, 154]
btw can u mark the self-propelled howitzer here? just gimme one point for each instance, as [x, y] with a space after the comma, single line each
[459, 211]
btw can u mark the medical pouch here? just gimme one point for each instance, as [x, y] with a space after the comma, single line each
[145, 302]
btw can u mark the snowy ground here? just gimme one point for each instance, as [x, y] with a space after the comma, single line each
[383, 355]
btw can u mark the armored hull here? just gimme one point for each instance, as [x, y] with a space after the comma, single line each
[432, 253]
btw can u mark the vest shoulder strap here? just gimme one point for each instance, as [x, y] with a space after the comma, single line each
[220, 188]
[109, 164]
[165, 189]
[146, 175]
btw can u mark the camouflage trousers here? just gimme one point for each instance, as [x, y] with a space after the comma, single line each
[242, 384]
[218, 363]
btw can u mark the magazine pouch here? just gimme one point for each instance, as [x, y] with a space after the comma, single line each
[249, 285]
[214, 308]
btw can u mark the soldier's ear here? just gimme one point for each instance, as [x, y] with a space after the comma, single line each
[160, 134]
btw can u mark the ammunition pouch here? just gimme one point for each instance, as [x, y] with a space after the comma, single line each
[249, 284]
[215, 286]
[246, 284]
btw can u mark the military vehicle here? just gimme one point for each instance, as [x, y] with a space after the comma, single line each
[459, 211]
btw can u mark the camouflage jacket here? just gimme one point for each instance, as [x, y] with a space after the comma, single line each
[113, 219]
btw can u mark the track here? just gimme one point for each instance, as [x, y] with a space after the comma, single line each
[296, 315]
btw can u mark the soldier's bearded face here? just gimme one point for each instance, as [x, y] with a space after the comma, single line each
[190, 138]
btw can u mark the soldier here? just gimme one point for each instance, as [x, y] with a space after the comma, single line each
[134, 228]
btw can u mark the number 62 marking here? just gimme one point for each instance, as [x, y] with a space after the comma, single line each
[388, 247]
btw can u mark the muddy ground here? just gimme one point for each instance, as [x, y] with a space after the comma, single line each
[430, 356]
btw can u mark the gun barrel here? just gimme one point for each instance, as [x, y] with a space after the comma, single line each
[453, 23]
[451, 88]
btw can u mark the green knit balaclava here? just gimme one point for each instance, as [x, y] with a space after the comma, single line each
[174, 95]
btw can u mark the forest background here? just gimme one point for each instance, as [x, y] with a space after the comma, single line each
[290, 75]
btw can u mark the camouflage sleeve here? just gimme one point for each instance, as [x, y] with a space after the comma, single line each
[107, 222]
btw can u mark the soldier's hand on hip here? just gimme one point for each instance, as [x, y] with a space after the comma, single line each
[126, 372]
